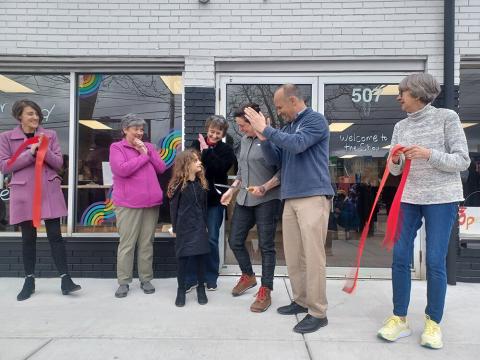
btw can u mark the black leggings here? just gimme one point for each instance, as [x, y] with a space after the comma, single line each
[57, 245]
[182, 269]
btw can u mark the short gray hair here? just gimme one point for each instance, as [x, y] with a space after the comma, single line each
[218, 122]
[130, 120]
[291, 90]
[422, 86]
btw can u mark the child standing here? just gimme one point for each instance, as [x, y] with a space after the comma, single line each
[187, 191]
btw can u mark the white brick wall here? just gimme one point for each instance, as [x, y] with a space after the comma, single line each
[236, 28]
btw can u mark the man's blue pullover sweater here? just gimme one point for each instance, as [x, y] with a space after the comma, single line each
[301, 149]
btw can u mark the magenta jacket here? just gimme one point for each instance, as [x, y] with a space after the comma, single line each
[23, 169]
[135, 182]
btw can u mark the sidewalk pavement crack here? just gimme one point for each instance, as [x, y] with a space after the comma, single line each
[29, 356]
[310, 356]
[297, 316]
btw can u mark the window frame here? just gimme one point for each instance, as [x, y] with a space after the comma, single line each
[177, 68]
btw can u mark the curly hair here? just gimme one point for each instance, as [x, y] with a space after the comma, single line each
[181, 172]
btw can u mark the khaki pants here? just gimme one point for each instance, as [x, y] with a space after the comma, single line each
[305, 224]
[135, 227]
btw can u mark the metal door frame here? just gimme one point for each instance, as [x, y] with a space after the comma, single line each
[318, 81]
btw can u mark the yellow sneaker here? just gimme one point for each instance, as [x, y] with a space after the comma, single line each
[432, 334]
[394, 328]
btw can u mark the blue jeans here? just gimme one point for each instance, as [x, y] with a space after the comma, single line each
[212, 260]
[439, 220]
[266, 216]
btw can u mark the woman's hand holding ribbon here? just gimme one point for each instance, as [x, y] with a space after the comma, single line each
[416, 152]
[34, 147]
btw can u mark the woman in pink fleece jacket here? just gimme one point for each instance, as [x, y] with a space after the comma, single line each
[137, 196]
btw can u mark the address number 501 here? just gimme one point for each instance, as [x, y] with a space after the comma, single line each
[365, 95]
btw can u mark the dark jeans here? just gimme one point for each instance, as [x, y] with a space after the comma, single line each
[439, 219]
[57, 245]
[183, 261]
[266, 216]
[212, 260]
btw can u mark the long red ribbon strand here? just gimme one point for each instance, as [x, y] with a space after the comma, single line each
[391, 233]
[39, 160]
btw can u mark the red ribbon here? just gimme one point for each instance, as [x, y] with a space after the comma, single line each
[37, 192]
[394, 217]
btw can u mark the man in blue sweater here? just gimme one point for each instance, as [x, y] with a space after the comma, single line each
[301, 149]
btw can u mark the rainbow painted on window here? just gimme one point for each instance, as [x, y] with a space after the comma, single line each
[98, 212]
[169, 146]
[89, 84]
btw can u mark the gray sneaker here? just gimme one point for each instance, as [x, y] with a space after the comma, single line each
[147, 287]
[122, 291]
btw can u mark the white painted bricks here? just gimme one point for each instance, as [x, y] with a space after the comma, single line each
[236, 28]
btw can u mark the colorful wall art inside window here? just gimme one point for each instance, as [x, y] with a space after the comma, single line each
[103, 99]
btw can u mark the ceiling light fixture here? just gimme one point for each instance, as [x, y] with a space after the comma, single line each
[10, 86]
[174, 83]
[339, 126]
[94, 124]
[386, 90]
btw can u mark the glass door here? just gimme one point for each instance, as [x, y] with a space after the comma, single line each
[236, 91]
[361, 111]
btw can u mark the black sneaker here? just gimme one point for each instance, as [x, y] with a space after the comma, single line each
[292, 309]
[212, 286]
[28, 289]
[68, 285]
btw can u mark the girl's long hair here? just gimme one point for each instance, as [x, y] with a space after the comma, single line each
[181, 170]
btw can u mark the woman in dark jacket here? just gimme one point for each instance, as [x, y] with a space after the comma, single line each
[217, 158]
[188, 209]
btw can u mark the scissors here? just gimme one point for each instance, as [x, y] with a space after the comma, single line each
[248, 188]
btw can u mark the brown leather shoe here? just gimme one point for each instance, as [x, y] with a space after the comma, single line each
[263, 300]
[244, 283]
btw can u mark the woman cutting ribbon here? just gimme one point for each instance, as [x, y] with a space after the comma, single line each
[258, 204]
[26, 179]
[434, 141]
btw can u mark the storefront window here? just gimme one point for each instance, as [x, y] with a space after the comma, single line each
[470, 115]
[51, 93]
[361, 118]
[102, 101]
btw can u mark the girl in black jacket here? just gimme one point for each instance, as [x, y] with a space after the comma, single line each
[217, 158]
[187, 191]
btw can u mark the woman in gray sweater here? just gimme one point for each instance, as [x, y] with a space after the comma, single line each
[434, 140]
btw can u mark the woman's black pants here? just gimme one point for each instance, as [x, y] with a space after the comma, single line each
[57, 245]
